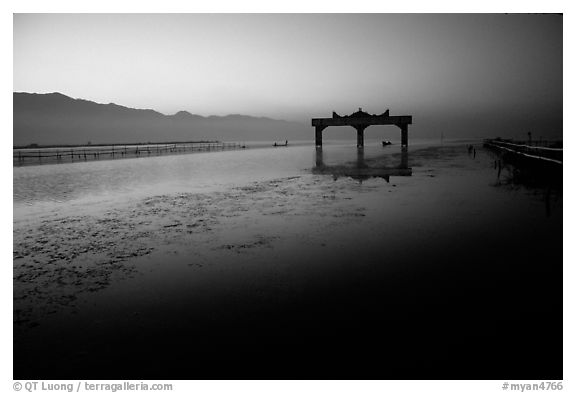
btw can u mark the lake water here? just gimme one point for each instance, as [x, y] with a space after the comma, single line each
[58, 187]
[270, 263]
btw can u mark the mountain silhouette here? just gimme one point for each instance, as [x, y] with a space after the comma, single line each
[54, 118]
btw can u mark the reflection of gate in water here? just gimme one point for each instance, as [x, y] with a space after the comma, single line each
[360, 169]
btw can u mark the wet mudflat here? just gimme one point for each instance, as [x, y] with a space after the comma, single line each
[451, 273]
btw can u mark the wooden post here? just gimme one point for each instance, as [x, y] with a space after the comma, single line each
[319, 157]
[360, 136]
[319, 136]
[404, 130]
[404, 158]
[360, 163]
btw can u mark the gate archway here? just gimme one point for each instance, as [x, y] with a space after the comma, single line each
[361, 120]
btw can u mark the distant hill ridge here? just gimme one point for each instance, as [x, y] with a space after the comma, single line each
[54, 118]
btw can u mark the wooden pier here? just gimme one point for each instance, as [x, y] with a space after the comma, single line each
[361, 120]
[52, 155]
[534, 154]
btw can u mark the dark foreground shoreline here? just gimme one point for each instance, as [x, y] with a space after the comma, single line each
[448, 274]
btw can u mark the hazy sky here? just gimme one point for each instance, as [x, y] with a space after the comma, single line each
[453, 72]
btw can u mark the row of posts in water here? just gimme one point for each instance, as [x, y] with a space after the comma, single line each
[26, 156]
[549, 151]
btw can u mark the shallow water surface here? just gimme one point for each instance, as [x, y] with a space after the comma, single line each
[274, 263]
[58, 187]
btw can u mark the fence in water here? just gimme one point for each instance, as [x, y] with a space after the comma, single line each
[546, 152]
[54, 155]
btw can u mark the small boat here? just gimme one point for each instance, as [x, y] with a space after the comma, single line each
[386, 143]
[276, 144]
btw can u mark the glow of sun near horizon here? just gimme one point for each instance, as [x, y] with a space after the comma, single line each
[453, 72]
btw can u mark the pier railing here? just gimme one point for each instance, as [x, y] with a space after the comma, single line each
[51, 155]
[544, 153]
